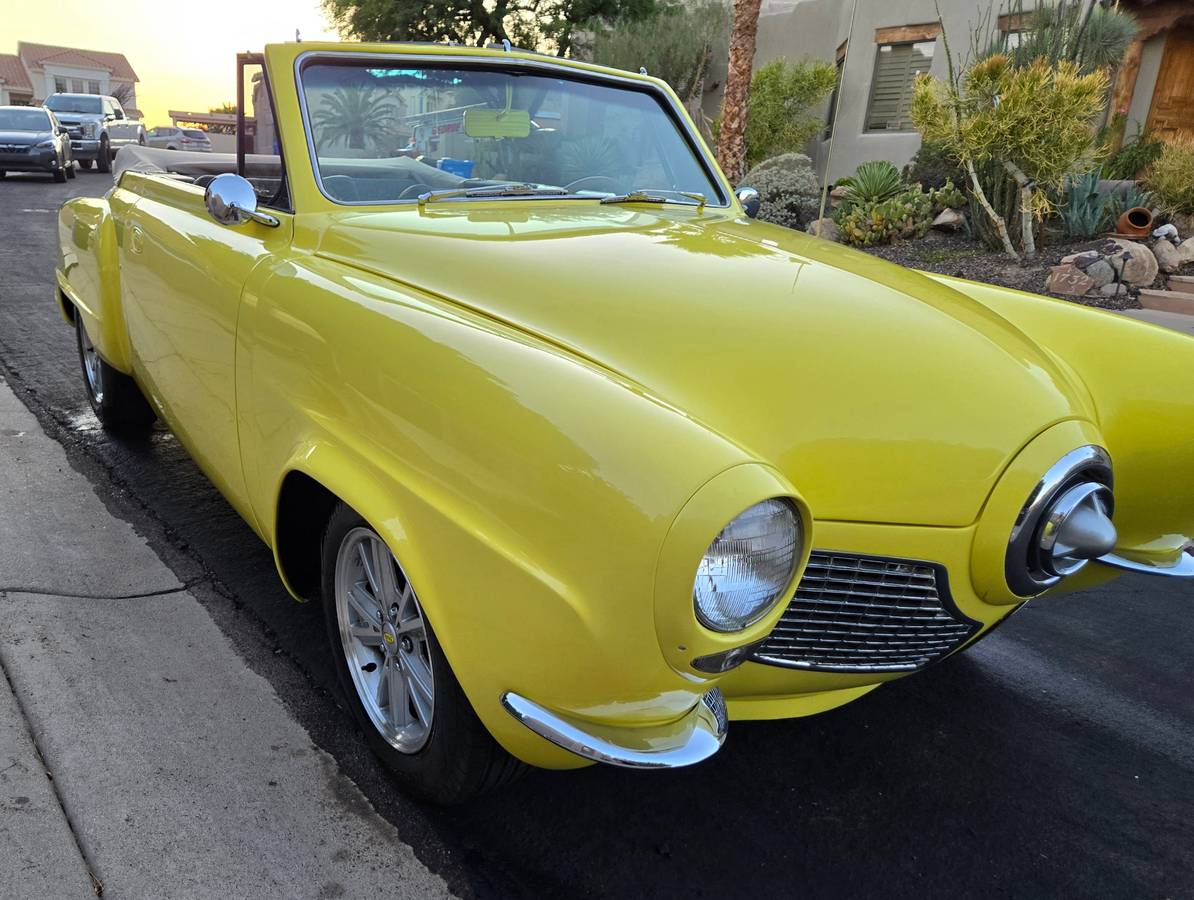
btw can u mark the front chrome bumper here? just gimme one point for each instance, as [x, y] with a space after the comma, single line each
[84, 149]
[691, 739]
[1182, 568]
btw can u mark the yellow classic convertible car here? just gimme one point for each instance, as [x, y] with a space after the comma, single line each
[581, 460]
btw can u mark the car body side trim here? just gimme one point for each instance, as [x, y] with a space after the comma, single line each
[696, 737]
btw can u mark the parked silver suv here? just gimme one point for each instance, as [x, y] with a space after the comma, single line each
[97, 126]
[173, 138]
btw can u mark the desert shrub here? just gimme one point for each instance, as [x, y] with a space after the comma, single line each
[781, 94]
[933, 166]
[946, 197]
[788, 189]
[1171, 178]
[1133, 157]
[1036, 122]
[872, 182]
[908, 214]
[1084, 212]
[1122, 199]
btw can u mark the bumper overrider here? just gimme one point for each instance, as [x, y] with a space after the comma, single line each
[855, 619]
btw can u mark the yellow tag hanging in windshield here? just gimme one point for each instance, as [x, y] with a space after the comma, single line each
[498, 123]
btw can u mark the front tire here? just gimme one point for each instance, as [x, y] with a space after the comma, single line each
[114, 397]
[103, 162]
[398, 683]
[85, 163]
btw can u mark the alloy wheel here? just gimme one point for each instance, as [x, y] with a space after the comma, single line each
[384, 637]
[91, 366]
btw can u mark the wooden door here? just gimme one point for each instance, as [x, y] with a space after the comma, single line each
[1172, 111]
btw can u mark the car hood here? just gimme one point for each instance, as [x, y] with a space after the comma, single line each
[882, 395]
[79, 118]
[24, 138]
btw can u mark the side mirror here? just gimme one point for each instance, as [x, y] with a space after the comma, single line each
[750, 200]
[62, 129]
[231, 200]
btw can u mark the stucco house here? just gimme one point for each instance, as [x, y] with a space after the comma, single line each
[36, 71]
[894, 40]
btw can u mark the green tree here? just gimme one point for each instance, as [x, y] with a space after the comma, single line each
[679, 45]
[1036, 122]
[548, 25]
[358, 116]
[228, 108]
[781, 93]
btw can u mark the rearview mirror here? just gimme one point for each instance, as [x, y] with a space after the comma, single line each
[497, 123]
[231, 200]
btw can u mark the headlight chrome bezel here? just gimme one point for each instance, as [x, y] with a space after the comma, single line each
[1079, 483]
[786, 541]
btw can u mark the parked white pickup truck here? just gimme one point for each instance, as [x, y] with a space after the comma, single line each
[97, 125]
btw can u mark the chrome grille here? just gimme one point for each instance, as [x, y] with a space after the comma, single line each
[867, 614]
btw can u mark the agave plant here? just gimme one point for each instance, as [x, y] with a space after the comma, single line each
[872, 182]
[1085, 211]
[358, 116]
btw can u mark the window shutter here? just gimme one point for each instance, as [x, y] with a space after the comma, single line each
[896, 69]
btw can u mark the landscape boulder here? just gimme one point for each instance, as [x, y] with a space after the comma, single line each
[1100, 272]
[1083, 259]
[1068, 279]
[1135, 263]
[1185, 251]
[824, 228]
[1169, 257]
[949, 220]
[837, 195]
[1114, 290]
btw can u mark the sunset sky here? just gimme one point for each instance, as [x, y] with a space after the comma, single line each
[184, 53]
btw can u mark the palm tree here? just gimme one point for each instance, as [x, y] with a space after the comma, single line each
[731, 137]
[358, 116]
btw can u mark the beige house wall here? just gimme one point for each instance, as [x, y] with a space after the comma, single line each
[816, 28]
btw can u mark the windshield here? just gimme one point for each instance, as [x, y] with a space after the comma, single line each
[24, 120]
[74, 104]
[387, 134]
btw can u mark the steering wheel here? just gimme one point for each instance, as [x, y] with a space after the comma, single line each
[599, 183]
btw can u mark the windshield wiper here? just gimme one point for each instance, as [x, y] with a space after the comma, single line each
[653, 195]
[501, 190]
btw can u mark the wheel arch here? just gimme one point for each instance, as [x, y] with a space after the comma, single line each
[301, 515]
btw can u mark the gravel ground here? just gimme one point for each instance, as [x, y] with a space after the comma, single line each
[966, 258]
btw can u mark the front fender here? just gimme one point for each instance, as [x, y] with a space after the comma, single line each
[526, 492]
[1141, 383]
[88, 271]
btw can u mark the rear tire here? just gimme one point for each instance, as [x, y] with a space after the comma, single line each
[430, 739]
[114, 397]
[103, 162]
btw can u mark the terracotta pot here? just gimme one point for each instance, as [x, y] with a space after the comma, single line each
[1137, 221]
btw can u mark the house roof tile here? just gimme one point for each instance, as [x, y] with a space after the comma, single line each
[12, 73]
[36, 55]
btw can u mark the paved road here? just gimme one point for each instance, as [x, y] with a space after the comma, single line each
[1055, 758]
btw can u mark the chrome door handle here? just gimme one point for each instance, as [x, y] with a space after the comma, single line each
[135, 238]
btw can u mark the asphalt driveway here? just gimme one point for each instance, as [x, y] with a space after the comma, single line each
[1056, 758]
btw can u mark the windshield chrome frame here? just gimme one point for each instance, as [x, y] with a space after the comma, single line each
[467, 60]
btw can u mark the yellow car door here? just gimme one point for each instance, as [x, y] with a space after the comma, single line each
[183, 277]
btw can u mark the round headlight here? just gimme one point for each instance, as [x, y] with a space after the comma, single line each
[747, 566]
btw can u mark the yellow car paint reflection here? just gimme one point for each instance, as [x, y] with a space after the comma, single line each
[549, 408]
